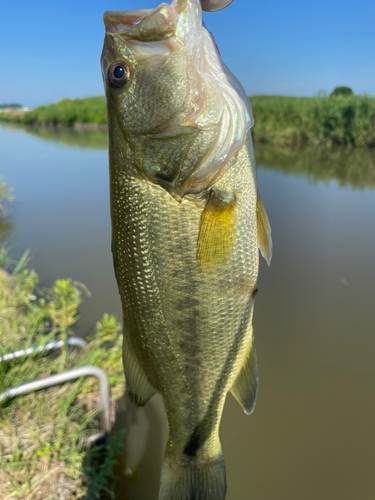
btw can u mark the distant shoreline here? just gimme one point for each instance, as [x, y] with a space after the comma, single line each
[341, 120]
[89, 113]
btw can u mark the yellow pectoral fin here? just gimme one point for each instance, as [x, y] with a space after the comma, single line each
[217, 231]
[264, 231]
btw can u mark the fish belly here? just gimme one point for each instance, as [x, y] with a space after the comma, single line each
[187, 328]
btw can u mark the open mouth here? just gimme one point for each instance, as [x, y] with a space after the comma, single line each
[121, 21]
[145, 25]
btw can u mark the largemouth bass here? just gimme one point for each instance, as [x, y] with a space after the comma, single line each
[187, 222]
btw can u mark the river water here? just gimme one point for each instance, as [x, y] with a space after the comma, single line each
[312, 434]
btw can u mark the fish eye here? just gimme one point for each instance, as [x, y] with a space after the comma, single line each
[118, 74]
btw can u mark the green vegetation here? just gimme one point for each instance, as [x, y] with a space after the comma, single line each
[315, 120]
[67, 112]
[342, 91]
[44, 437]
[341, 118]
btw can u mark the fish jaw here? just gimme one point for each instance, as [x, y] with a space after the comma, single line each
[182, 113]
[147, 25]
[158, 45]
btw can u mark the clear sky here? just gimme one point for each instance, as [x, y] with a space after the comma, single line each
[51, 49]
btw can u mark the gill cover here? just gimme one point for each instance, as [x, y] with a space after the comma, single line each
[183, 114]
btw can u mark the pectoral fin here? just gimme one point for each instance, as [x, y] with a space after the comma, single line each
[245, 387]
[264, 231]
[137, 384]
[217, 230]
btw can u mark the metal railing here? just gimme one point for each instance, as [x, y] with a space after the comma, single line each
[61, 378]
[49, 346]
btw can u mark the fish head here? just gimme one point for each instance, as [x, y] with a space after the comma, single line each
[182, 114]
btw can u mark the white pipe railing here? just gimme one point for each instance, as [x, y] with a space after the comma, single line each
[61, 378]
[49, 346]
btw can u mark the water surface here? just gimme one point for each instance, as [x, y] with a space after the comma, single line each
[312, 433]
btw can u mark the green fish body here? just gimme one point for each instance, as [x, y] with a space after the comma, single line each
[187, 222]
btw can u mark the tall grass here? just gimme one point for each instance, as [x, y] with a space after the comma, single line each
[44, 448]
[348, 120]
[66, 112]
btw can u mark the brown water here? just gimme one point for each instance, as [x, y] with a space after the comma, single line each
[312, 435]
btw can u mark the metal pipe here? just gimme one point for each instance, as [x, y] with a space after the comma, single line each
[49, 346]
[61, 378]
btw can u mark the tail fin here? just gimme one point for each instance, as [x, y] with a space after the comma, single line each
[193, 481]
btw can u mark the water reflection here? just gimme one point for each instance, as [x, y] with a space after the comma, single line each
[349, 166]
[311, 435]
[138, 471]
[6, 228]
[353, 167]
[93, 139]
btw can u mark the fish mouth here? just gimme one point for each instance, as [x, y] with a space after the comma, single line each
[125, 21]
[120, 21]
[146, 25]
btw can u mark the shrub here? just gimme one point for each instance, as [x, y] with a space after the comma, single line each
[342, 91]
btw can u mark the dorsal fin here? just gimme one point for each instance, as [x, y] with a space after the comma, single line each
[264, 231]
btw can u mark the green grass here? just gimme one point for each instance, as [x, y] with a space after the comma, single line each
[44, 451]
[344, 120]
[348, 120]
[66, 112]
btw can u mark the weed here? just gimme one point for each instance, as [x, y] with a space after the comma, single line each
[44, 449]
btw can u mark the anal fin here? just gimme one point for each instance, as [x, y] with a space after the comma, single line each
[245, 387]
[138, 386]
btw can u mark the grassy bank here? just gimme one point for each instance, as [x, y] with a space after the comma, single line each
[346, 120]
[45, 449]
[67, 112]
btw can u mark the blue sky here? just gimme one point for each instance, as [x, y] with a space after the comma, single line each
[51, 49]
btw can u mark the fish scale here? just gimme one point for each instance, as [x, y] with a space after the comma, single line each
[174, 307]
[187, 222]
